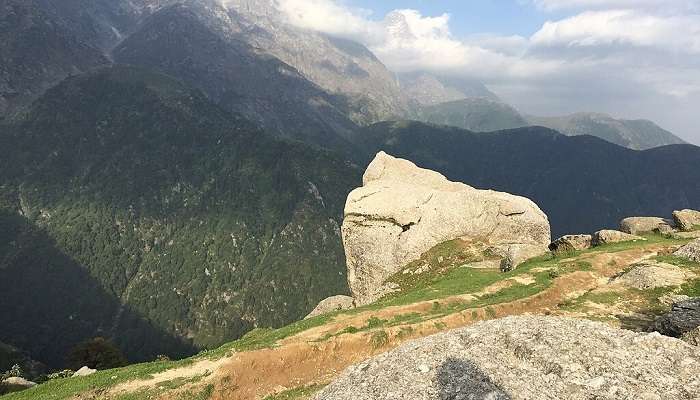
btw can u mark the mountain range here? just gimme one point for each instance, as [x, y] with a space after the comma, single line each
[173, 173]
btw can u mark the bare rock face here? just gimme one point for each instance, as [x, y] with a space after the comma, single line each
[333, 303]
[607, 236]
[571, 243]
[638, 225]
[402, 211]
[687, 220]
[15, 384]
[690, 251]
[527, 357]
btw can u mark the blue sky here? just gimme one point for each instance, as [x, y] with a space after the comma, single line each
[467, 17]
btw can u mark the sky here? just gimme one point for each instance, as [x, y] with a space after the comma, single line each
[628, 58]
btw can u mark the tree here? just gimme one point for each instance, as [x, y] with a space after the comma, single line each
[98, 353]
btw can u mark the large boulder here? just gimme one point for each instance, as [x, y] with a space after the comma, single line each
[690, 251]
[85, 371]
[640, 225]
[331, 304]
[684, 317]
[528, 358]
[607, 236]
[402, 211]
[687, 220]
[571, 243]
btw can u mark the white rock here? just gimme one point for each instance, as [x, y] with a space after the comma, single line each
[608, 236]
[84, 371]
[639, 225]
[651, 275]
[331, 304]
[402, 211]
[690, 251]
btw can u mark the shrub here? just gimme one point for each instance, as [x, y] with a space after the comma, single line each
[98, 353]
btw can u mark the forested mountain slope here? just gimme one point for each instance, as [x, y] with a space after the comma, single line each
[582, 183]
[134, 208]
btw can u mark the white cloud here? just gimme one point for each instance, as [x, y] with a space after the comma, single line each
[634, 58]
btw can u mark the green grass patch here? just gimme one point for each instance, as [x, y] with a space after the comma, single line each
[299, 393]
[678, 261]
[691, 288]
[59, 389]
[379, 339]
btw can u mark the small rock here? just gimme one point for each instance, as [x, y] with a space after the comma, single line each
[608, 236]
[690, 251]
[15, 384]
[571, 243]
[651, 275]
[684, 317]
[687, 220]
[331, 304]
[424, 368]
[84, 371]
[692, 337]
[639, 225]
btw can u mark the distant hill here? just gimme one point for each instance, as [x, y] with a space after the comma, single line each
[132, 207]
[633, 134]
[583, 183]
[477, 114]
[427, 89]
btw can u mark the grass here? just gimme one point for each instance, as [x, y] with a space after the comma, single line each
[69, 387]
[299, 393]
[678, 261]
[447, 276]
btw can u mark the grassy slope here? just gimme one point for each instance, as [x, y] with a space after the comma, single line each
[442, 281]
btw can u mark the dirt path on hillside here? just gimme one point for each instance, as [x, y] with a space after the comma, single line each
[301, 360]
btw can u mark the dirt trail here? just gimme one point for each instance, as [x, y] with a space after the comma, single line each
[300, 360]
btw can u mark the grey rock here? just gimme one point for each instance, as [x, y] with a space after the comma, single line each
[403, 211]
[333, 303]
[683, 318]
[651, 275]
[84, 371]
[608, 236]
[692, 337]
[571, 243]
[638, 225]
[690, 251]
[687, 220]
[15, 384]
[527, 357]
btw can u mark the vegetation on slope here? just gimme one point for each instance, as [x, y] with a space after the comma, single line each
[570, 178]
[133, 208]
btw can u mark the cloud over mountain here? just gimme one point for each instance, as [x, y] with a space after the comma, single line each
[633, 58]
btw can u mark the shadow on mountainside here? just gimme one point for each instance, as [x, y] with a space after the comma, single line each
[462, 379]
[50, 302]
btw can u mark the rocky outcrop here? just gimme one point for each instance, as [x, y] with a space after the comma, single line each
[651, 275]
[684, 317]
[690, 251]
[571, 243]
[692, 337]
[607, 236]
[402, 211]
[528, 357]
[333, 303]
[15, 384]
[639, 225]
[687, 220]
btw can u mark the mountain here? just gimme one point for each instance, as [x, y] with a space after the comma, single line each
[428, 89]
[132, 207]
[340, 66]
[477, 114]
[634, 134]
[38, 48]
[582, 183]
[193, 42]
